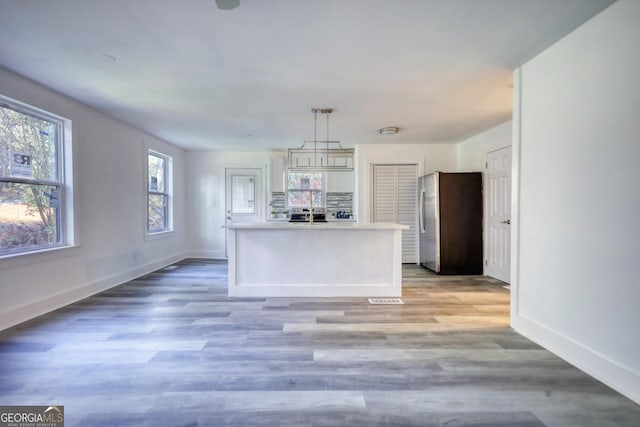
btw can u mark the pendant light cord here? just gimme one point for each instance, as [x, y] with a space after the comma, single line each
[327, 141]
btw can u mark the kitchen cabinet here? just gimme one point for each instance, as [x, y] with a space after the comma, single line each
[340, 182]
[277, 170]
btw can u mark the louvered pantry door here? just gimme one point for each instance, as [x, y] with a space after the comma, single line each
[395, 199]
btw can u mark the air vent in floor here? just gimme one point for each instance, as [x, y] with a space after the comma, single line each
[385, 301]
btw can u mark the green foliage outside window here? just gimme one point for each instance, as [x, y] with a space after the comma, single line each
[157, 194]
[30, 193]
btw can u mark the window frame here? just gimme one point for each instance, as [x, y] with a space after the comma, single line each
[65, 227]
[322, 190]
[167, 193]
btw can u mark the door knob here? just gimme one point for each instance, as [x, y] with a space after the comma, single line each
[228, 217]
[508, 222]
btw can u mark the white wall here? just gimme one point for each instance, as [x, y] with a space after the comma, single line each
[472, 153]
[576, 162]
[110, 202]
[429, 157]
[206, 189]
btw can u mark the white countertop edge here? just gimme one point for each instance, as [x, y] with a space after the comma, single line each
[319, 226]
[328, 220]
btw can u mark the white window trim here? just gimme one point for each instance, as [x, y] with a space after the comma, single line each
[67, 224]
[169, 231]
[51, 253]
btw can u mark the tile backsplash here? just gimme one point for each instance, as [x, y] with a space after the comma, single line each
[339, 202]
[278, 202]
[336, 202]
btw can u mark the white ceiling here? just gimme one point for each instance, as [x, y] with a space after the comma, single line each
[203, 78]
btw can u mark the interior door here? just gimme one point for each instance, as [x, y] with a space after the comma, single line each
[243, 196]
[498, 258]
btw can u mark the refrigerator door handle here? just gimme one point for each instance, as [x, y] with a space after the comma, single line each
[421, 210]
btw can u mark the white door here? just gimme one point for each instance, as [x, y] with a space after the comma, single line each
[243, 196]
[395, 199]
[498, 250]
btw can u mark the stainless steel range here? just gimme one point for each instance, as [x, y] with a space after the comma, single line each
[308, 215]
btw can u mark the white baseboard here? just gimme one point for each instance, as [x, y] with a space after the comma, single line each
[206, 254]
[14, 316]
[620, 378]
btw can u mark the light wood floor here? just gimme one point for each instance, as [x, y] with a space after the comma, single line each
[171, 349]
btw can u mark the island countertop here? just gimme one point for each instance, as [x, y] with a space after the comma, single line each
[318, 226]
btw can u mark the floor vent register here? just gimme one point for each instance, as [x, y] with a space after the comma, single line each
[385, 301]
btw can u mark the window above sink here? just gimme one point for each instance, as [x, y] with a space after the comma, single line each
[305, 187]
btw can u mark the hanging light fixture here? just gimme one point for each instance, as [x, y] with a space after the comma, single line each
[321, 155]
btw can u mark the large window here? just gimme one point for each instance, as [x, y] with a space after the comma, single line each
[303, 188]
[32, 180]
[158, 193]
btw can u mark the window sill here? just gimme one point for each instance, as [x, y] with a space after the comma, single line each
[159, 235]
[37, 256]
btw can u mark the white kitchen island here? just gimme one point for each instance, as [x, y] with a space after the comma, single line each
[315, 260]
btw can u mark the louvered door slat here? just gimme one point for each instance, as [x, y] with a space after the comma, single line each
[395, 189]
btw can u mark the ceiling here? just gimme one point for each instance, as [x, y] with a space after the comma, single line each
[246, 79]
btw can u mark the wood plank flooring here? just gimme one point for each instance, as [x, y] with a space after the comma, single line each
[171, 349]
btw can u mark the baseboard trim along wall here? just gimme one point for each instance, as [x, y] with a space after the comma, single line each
[206, 255]
[621, 379]
[17, 315]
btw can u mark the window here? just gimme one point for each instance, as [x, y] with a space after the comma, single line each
[303, 187]
[158, 193]
[34, 202]
[243, 195]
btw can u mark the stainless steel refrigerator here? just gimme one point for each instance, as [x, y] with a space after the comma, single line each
[450, 217]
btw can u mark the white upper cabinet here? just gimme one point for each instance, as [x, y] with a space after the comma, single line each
[340, 182]
[277, 167]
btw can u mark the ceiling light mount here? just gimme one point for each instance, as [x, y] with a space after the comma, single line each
[227, 4]
[389, 130]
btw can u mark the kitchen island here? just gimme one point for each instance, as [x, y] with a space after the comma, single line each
[315, 260]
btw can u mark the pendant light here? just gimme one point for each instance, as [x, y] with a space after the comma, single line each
[321, 155]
